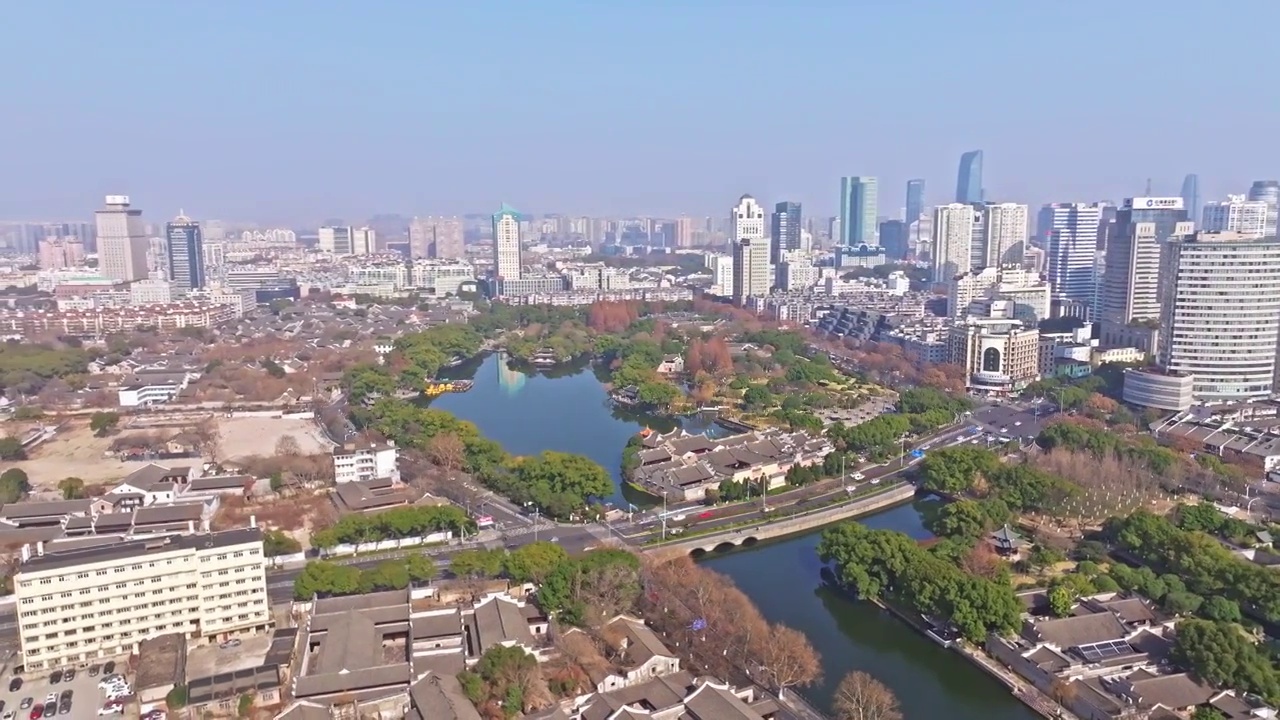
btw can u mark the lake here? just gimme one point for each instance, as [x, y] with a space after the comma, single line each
[567, 409]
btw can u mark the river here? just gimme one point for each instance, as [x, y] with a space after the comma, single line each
[567, 409]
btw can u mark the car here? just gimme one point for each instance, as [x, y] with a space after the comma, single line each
[94, 670]
[69, 675]
[109, 668]
[37, 712]
[859, 476]
[26, 703]
[15, 684]
[65, 696]
[228, 644]
[677, 518]
[51, 699]
[9, 715]
[111, 709]
[705, 515]
[50, 709]
[64, 708]
[55, 677]
[875, 481]
[110, 680]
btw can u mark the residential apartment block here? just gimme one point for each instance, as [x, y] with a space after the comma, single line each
[102, 600]
[358, 462]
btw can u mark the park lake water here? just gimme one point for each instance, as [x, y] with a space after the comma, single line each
[567, 409]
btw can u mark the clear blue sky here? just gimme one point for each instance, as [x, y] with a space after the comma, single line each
[292, 110]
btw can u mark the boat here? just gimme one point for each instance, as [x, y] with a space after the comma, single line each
[432, 388]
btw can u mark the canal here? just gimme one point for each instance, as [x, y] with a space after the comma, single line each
[567, 409]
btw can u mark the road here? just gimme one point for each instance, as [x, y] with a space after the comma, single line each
[514, 528]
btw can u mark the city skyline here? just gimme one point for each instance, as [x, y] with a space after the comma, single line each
[266, 143]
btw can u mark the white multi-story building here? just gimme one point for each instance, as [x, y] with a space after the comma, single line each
[1128, 290]
[438, 278]
[150, 292]
[122, 240]
[241, 300]
[1011, 282]
[746, 220]
[721, 267]
[98, 601]
[336, 240]
[751, 274]
[507, 264]
[1070, 237]
[1220, 314]
[952, 240]
[358, 462]
[1004, 233]
[999, 355]
[796, 274]
[1238, 215]
[364, 241]
[392, 273]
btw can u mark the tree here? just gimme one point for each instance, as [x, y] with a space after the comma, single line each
[1061, 601]
[788, 659]
[72, 488]
[1224, 656]
[447, 450]
[102, 422]
[288, 445]
[534, 562]
[954, 470]
[421, 568]
[862, 697]
[477, 564]
[14, 485]
[11, 449]
[276, 542]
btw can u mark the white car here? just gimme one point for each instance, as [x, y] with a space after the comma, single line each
[859, 476]
[111, 709]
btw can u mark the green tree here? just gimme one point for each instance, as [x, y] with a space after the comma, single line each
[276, 542]
[1222, 655]
[11, 449]
[954, 470]
[14, 485]
[477, 564]
[326, 579]
[657, 394]
[103, 422]
[421, 568]
[534, 562]
[72, 488]
[388, 575]
[1220, 609]
[1061, 601]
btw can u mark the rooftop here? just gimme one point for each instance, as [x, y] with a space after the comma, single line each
[136, 549]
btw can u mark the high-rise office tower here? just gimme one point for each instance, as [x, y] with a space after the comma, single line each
[684, 232]
[969, 180]
[1129, 289]
[1247, 217]
[786, 230]
[1220, 313]
[1191, 196]
[61, 253]
[186, 253]
[1268, 191]
[978, 238]
[746, 220]
[507, 264]
[859, 224]
[1004, 233]
[1069, 236]
[952, 240]
[915, 201]
[751, 276]
[364, 241]
[436, 237]
[336, 239]
[893, 238]
[122, 240]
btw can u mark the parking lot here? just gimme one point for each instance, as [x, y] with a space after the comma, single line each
[86, 697]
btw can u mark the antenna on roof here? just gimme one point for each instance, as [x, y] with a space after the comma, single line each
[1148, 193]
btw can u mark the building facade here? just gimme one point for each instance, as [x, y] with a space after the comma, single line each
[1129, 288]
[507, 263]
[859, 205]
[969, 179]
[358, 462]
[61, 253]
[122, 240]
[436, 237]
[185, 250]
[999, 356]
[787, 227]
[1237, 214]
[1267, 191]
[1004, 233]
[746, 220]
[78, 605]
[336, 240]
[952, 240]
[1069, 235]
[915, 201]
[751, 274]
[1220, 314]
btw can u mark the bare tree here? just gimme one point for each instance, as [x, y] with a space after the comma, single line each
[787, 658]
[288, 445]
[209, 439]
[862, 697]
[447, 450]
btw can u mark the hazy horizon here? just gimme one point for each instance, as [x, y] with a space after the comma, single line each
[290, 112]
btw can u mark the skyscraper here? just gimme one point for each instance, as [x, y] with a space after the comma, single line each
[122, 240]
[1191, 196]
[436, 237]
[186, 253]
[746, 220]
[1129, 289]
[684, 232]
[1268, 191]
[1069, 233]
[1220, 313]
[952, 240]
[364, 241]
[915, 200]
[1004, 233]
[507, 264]
[969, 181]
[336, 239]
[786, 230]
[859, 224]
[893, 238]
[751, 277]
[1248, 217]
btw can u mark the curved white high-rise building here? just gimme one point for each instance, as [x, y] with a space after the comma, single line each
[1220, 313]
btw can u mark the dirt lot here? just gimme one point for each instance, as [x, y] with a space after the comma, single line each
[244, 436]
[73, 452]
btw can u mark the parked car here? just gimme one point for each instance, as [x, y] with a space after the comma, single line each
[94, 670]
[109, 668]
[55, 677]
[227, 644]
[15, 684]
[111, 709]
[69, 675]
[50, 709]
[37, 712]
[26, 703]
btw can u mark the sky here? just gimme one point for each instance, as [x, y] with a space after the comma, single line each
[293, 111]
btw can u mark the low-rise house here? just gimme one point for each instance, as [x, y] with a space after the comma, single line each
[671, 365]
[683, 467]
[636, 654]
[678, 696]
[361, 461]
[373, 495]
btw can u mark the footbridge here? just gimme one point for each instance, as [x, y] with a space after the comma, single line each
[789, 525]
